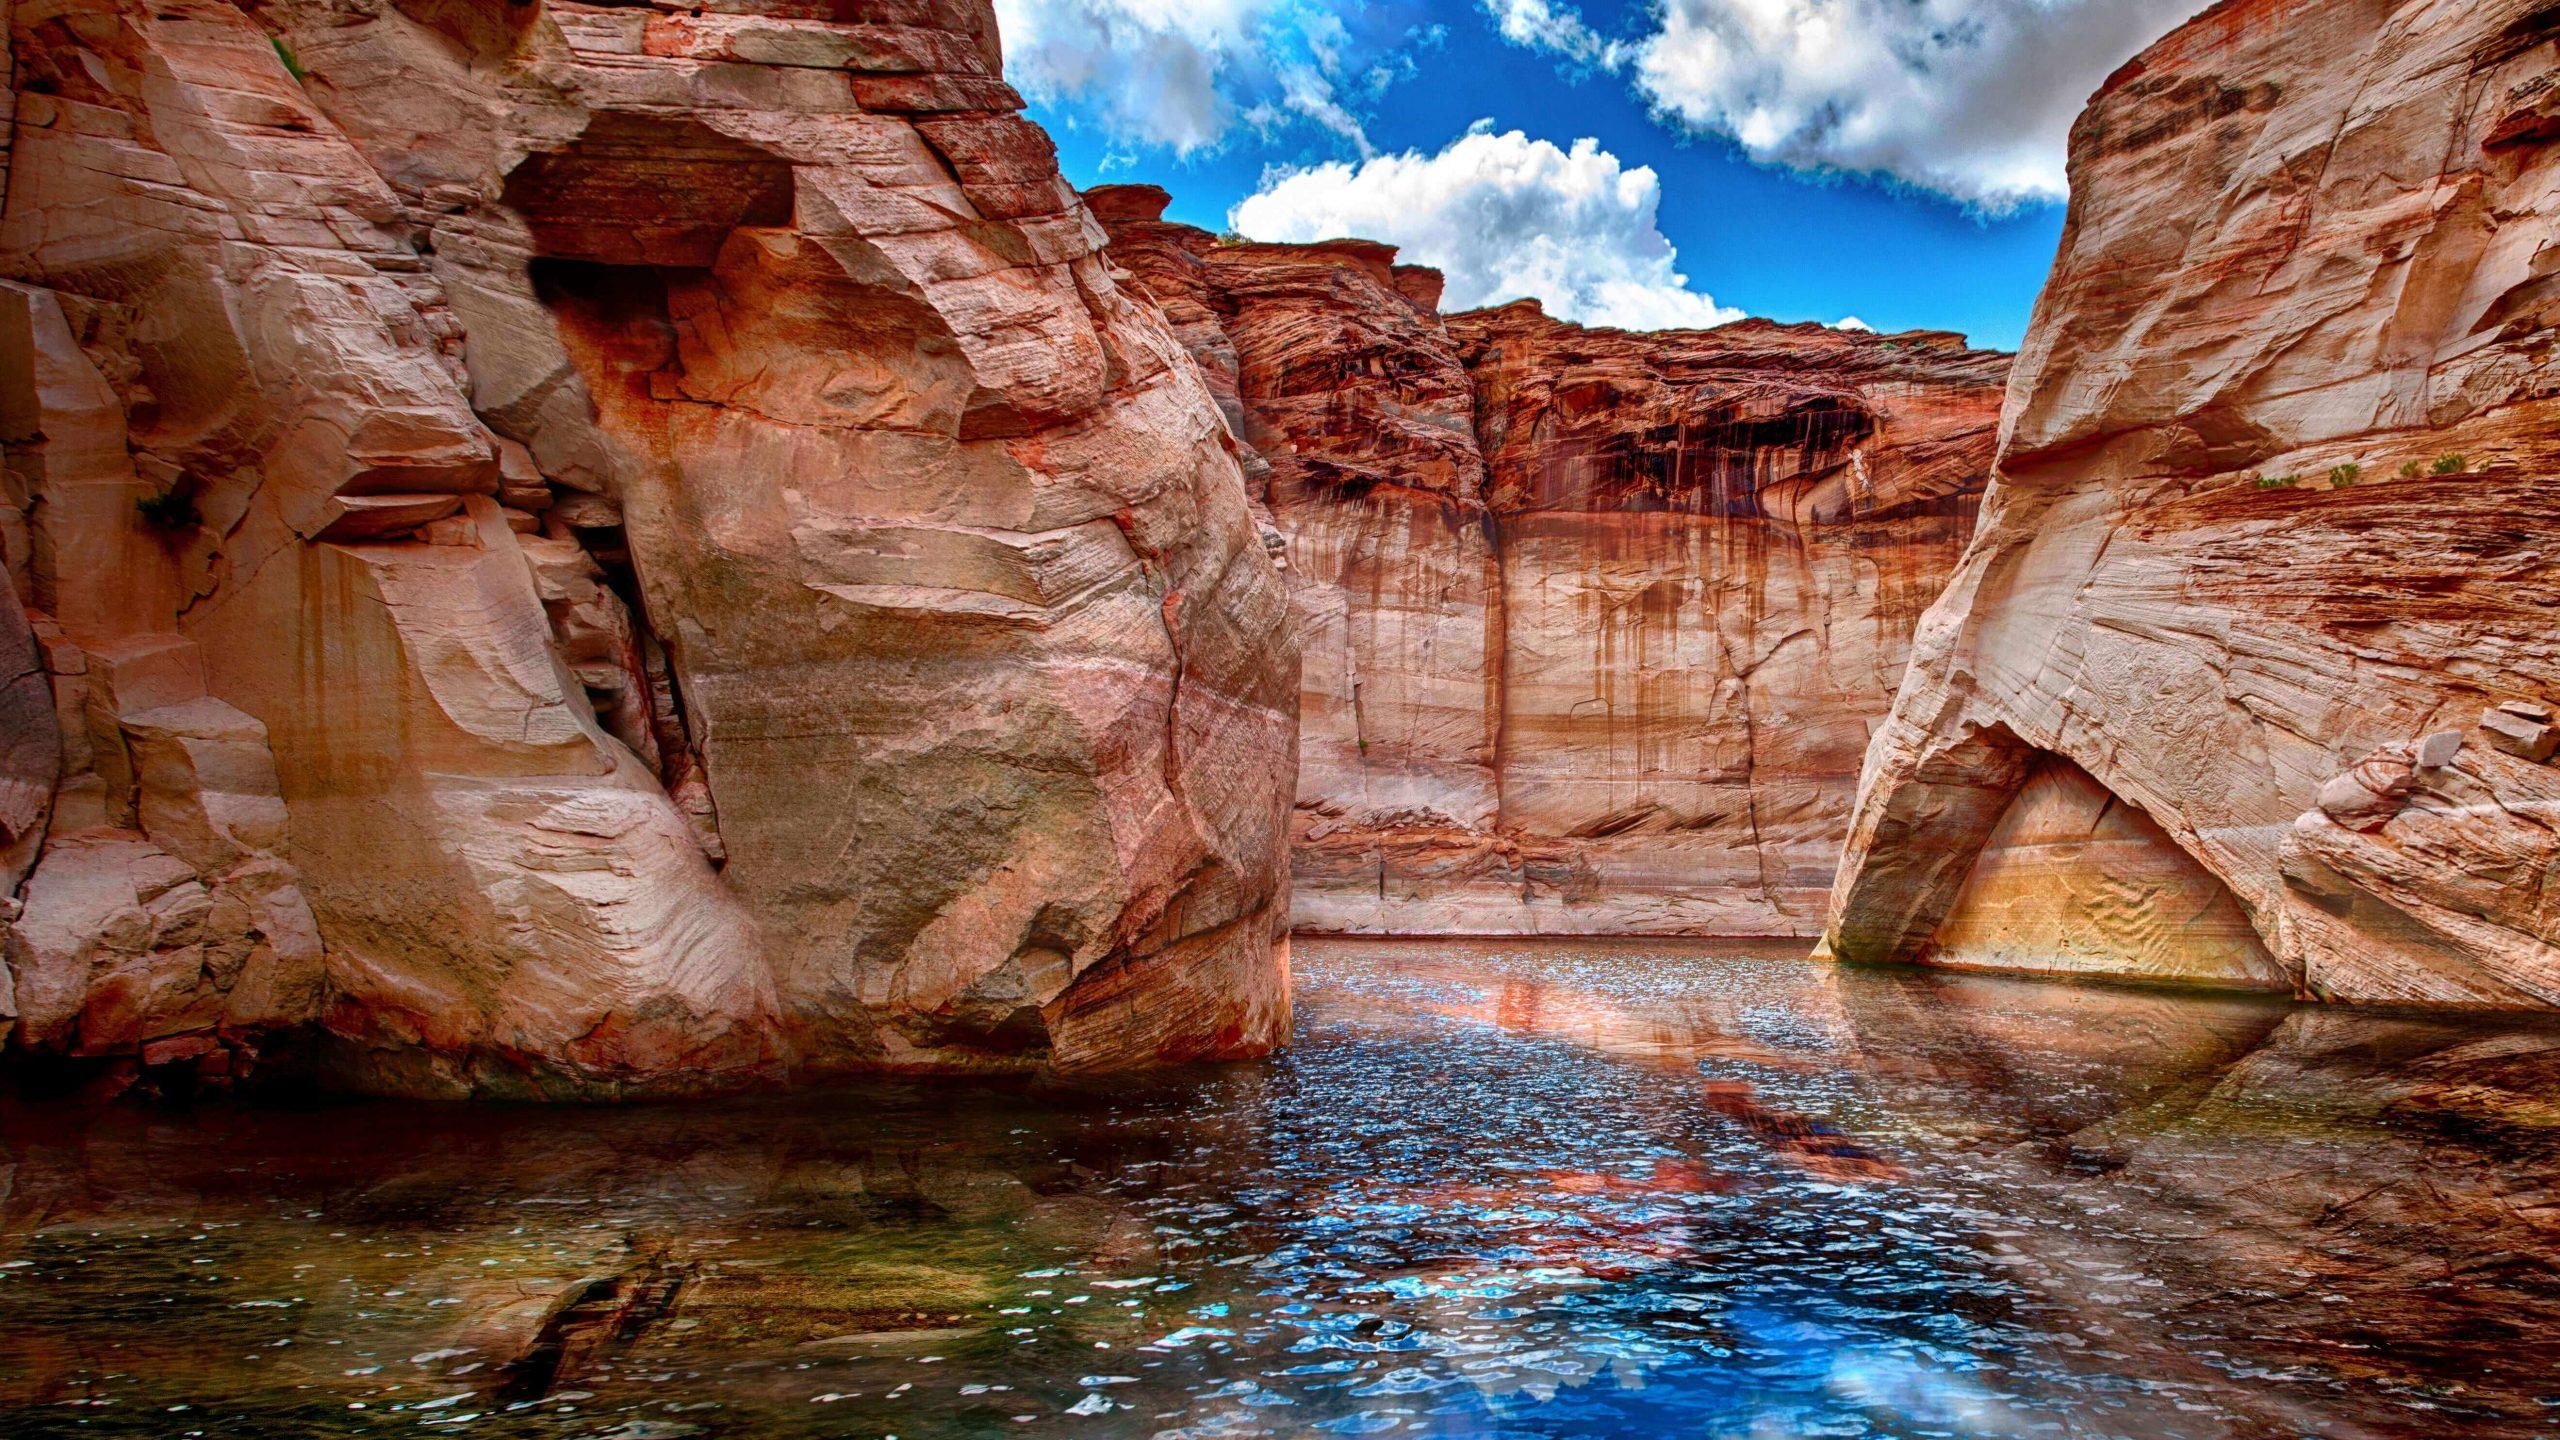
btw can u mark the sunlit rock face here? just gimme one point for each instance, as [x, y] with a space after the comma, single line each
[2271, 555]
[1360, 418]
[669, 560]
[1714, 547]
[2073, 879]
[1597, 624]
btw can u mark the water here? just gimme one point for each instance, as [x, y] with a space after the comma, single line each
[1566, 1189]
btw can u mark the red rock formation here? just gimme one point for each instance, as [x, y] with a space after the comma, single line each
[1596, 624]
[2271, 561]
[1714, 547]
[668, 560]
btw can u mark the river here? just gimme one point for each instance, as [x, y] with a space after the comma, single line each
[1555, 1188]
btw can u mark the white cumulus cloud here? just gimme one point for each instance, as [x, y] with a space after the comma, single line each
[1503, 217]
[1973, 99]
[1543, 25]
[1180, 74]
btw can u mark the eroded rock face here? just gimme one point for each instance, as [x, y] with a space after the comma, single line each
[2270, 557]
[1715, 545]
[694, 570]
[2073, 879]
[1596, 624]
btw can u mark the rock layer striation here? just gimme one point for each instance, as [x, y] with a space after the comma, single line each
[1596, 624]
[594, 548]
[2258, 627]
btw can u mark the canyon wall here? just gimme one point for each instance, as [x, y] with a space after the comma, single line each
[601, 548]
[2247, 676]
[1597, 625]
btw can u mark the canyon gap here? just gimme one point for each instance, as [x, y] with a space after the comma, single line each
[1597, 624]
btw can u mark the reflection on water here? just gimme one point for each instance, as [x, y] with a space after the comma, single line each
[1496, 1189]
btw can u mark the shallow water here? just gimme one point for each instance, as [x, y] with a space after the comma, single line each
[1592, 1188]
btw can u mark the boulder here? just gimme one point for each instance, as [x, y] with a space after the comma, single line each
[2521, 733]
[2367, 795]
[2438, 750]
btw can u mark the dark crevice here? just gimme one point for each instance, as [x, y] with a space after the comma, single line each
[1714, 463]
[692, 183]
[629, 304]
[2538, 27]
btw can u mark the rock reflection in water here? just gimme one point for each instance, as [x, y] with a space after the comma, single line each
[1497, 1188]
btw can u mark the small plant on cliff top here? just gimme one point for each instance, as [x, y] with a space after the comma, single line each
[2452, 464]
[2411, 469]
[292, 66]
[171, 511]
[2342, 476]
[2272, 482]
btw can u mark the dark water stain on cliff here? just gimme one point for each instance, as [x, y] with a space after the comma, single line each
[1585, 1188]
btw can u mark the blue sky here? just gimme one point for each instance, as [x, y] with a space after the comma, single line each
[1898, 161]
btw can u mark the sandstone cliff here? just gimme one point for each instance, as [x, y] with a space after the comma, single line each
[1596, 624]
[584, 548]
[2246, 678]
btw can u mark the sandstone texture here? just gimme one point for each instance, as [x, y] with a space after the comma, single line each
[1597, 625]
[2260, 621]
[591, 549]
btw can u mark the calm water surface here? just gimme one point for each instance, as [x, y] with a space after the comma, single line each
[1589, 1189]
